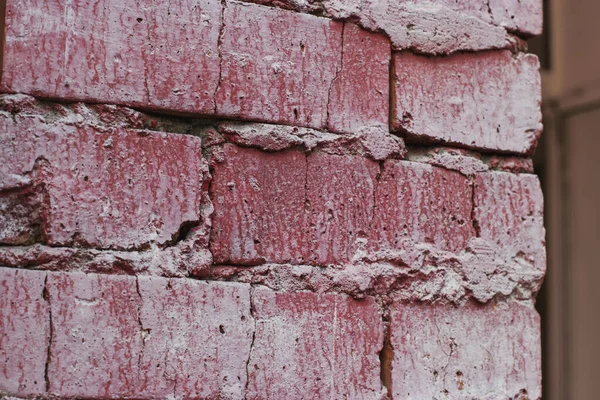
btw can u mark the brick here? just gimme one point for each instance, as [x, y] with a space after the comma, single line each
[25, 332]
[476, 351]
[96, 338]
[106, 188]
[259, 207]
[123, 53]
[360, 92]
[277, 65]
[326, 345]
[182, 59]
[486, 101]
[520, 16]
[509, 210]
[340, 203]
[422, 203]
[198, 337]
[433, 26]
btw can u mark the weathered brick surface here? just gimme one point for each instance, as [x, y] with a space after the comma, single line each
[288, 208]
[20, 216]
[130, 52]
[277, 65]
[509, 211]
[339, 198]
[181, 54]
[324, 345]
[107, 188]
[433, 26]
[488, 101]
[259, 207]
[24, 332]
[476, 351]
[422, 203]
[197, 338]
[96, 338]
[359, 94]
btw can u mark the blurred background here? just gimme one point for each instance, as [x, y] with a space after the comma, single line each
[568, 163]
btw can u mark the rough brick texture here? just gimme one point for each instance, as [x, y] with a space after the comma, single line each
[326, 345]
[25, 327]
[475, 351]
[488, 101]
[105, 188]
[267, 199]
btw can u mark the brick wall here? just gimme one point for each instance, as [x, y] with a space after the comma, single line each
[269, 199]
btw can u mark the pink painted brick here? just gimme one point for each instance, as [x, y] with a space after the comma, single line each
[324, 345]
[127, 52]
[277, 65]
[433, 26]
[423, 203]
[485, 101]
[24, 332]
[96, 338]
[116, 188]
[100, 59]
[259, 207]
[340, 204]
[476, 351]
[509, 210]
[197, 338]
[182, 58]
[521, 16]
[360, 92]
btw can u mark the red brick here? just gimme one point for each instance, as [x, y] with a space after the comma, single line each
[360, 92]
[25, 332]
[476, 351]
[182, 58]
[522, 16]
[433, 26]
[114, 51]
[107, 188]
[422, 203]
[259, 207]
[277, 65]
[96, 338]
[340, 205]
[486, 101]
[326, 345]
[509, 210]
[197, 341]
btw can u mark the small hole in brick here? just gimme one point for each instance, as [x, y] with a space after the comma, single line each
[139, 19]
[221, 329]
[295, 113]
[85, 178]
[243, 318]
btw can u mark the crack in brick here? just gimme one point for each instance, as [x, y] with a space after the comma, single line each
[253, 315]
[144, 333]
[46, 296]
[386, 355]
[337, 73]
[220, 53]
